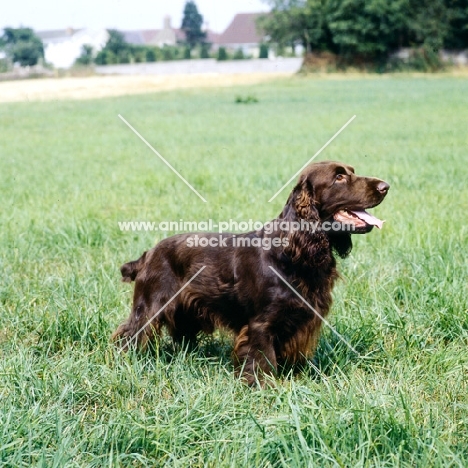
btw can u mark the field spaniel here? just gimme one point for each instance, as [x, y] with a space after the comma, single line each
[192, 283]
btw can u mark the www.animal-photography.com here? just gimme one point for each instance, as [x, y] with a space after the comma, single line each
[233, 234]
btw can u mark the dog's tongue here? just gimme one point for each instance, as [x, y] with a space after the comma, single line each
[368, 218]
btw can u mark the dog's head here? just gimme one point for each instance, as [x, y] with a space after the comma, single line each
[331, 191]
[331, 194]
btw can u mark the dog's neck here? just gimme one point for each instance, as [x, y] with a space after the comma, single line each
[341, 243]
[315, 246]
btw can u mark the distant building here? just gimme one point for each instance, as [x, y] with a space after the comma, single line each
[212, 38]
[157, 37]
[167, 35]
[133, 37]
[62, 47]
[161, 37]
[242, 33]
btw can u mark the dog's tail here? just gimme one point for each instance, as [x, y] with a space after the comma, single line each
[130, 270]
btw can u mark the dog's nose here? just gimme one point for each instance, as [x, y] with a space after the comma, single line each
[383, 187]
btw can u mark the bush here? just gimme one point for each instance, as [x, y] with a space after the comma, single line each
[3, 65]
[168, 53]
[124, 57]
[112, 58]
[246, 100]
[106, 57]
[222, 54]
[86, 57]
[239, 54]
[187, 53]
[100, 58]
[205, 51]
[263, 51]
[139, 55]
[151, 55]
[424, 59]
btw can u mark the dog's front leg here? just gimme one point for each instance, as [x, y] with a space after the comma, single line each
[254, 353]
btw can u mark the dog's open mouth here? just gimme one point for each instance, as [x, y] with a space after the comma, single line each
[361, 220]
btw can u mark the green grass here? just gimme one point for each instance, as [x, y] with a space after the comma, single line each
[69, 171]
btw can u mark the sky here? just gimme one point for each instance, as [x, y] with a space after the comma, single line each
[119, 14]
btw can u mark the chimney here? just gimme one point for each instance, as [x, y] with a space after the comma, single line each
[167, 22]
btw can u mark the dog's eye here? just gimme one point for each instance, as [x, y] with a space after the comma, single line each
[340, 177]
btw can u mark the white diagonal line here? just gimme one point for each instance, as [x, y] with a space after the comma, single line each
[168, 164]
[167, 303]
[312, 158]
[324, 320]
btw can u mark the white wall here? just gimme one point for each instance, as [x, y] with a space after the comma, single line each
[63, 52]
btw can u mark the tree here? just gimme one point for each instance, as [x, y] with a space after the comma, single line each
[116, 50]
[116, 43]
[22, 46]
[289, 23]
[428, 23]
[457, 34]
[192, 23]
[368, 30]
[87, 55]
[151, 54]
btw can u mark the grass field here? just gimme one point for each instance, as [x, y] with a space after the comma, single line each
[70, 170]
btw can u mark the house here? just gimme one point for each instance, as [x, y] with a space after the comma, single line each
[242, 33]
[133, 37]
[165, 36]
[156, 37]
[62, 47]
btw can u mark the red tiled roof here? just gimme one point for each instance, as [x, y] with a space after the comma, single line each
[180, 35]
[149, 34]
[212, 37]
[242, 30]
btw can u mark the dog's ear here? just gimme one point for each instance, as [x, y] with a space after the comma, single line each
[130, 270]
[301, 203]
[307, 246]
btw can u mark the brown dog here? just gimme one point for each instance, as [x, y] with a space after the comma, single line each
[237, 282]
